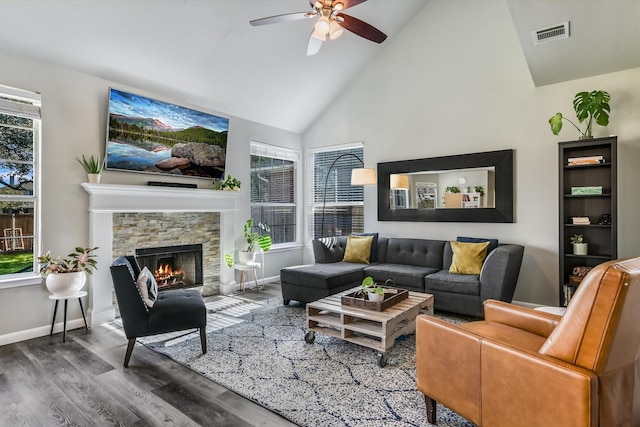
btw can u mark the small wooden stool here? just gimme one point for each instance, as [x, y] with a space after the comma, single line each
[66, 298]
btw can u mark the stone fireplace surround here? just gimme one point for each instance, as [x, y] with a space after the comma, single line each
[107, 199]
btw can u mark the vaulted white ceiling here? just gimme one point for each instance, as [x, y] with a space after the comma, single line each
[205, 53]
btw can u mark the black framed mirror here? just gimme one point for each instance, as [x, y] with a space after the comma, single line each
[476, 187]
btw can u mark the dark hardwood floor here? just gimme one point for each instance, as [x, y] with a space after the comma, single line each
[45, 382]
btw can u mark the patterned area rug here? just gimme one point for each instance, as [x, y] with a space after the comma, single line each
[257, 349]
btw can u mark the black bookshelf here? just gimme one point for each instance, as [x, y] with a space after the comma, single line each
[600, 235]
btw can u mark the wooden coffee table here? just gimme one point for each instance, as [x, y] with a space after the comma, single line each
[373, 329]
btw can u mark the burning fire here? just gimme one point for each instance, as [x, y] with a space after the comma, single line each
[165, 275]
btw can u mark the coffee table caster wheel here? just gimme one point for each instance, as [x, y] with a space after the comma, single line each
[310, 337]
[382, 359]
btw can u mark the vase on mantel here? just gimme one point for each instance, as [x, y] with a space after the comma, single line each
[93, 178]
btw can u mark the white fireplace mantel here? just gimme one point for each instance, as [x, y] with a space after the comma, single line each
[106, 199]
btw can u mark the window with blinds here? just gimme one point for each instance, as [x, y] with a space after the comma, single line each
[19, 144]
[273, 171]
[333, 198]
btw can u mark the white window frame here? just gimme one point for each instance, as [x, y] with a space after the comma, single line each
[31, 111]
[277, 152]
[311, 183]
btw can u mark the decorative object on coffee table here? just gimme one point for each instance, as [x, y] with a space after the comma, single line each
[370, 296]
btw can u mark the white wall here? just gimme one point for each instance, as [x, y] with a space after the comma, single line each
[427, 94]
[74, 114]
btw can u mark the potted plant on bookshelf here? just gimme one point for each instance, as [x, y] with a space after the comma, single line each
[253, 238]
[580, 247]
[588, 106]
[68, 275]
[92, 166]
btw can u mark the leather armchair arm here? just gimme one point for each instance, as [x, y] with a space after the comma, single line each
[536, 322]
[448, 365]
[525, 388]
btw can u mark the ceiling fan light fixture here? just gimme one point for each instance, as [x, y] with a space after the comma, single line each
[322, 26]
[335, 30]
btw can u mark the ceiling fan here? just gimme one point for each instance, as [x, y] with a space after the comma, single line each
[331, 22]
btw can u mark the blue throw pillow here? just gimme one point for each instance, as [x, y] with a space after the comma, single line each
[493, 243]
[373, 256]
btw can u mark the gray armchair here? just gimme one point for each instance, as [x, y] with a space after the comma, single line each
[173, 310]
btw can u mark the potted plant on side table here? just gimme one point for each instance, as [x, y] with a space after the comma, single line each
[252, 238]
[67, 276]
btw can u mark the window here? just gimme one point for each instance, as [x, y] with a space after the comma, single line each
[273, 171]
[19, 145]
[344, 203]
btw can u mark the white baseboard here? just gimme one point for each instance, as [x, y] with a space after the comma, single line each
[40, 331]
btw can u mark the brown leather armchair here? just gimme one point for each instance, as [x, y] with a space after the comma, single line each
[521, 367]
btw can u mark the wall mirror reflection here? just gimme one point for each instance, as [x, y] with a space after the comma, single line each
[441, 189]
[475, 187]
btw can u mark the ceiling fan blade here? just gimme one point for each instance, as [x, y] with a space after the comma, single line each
[361, 28]
[314, 45]
[282, 18]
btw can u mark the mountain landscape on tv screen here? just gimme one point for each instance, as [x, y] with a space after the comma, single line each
[148, 144]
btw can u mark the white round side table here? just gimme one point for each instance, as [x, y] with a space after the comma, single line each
[66, 298]
[244, 268]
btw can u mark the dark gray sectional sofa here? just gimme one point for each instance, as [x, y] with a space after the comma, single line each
[420, 265]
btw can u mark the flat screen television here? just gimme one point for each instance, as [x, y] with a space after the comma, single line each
[151, 136]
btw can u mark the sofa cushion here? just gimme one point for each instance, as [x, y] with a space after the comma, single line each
[493, 243]
[405, 276]
[374, 245]
[417, 252]
[455, 283]
[143, 288]
[323, 276]
[329, 249]
[468, 257]
[358, 249]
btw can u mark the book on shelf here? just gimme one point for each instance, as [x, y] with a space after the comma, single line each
[587, 160]
[580, 220]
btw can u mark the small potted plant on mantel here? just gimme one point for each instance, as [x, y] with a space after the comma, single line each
[580, 247]
[92, 166]
[229, 184]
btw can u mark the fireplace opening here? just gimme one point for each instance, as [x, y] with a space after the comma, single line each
[173, 267]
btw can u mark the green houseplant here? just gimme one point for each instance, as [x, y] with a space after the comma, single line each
[229, 183]
[452, 189]
[92, 166]
[67, 276]
[588, 106]
[254, 238]
[579, 245]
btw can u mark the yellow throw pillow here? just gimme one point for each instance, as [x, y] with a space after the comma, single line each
[467, 257]
[358, 249]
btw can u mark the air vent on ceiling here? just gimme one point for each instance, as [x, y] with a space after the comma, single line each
[549, 34]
